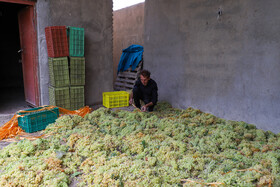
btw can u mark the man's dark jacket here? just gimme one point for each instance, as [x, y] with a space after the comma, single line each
[148, 93]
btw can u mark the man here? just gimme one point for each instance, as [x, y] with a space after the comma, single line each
[145, 89]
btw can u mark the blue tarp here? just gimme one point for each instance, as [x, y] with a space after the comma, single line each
[131, 57]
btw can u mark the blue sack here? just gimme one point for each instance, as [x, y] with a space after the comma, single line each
[131, 57]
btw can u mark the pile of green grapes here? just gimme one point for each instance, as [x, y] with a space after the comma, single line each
[168, 147]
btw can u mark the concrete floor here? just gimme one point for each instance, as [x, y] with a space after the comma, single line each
[11, 101]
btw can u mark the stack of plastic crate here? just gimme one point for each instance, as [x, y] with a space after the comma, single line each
[77, 66]
[66, 66]
[58, 52]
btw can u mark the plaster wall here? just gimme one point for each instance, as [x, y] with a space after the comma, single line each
[226, 65]
[128, 29]
[95, 16]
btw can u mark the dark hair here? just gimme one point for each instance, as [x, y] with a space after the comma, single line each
[145, 73]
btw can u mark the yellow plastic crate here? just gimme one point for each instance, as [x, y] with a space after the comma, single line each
[115, 99]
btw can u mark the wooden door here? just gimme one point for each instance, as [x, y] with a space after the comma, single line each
[28, 42]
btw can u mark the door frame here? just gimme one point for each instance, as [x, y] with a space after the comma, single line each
[19, 2]
[35, 46]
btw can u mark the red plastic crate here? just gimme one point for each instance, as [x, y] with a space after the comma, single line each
[57, 45]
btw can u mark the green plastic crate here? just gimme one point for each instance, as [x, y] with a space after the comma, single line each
[76, 40]
[77, 98]
[59, 97]
[77, 71]
[59, 72]
[34, 120]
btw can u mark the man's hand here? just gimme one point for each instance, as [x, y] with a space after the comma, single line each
[130, 101]
[144, 108]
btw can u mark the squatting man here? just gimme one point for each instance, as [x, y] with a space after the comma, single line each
[145, 89]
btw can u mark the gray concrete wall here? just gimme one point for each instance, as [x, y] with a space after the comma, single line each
[228, 65]
[128, 29]
[95, 16]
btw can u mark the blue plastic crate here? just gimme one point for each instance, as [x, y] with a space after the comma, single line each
[36, 119]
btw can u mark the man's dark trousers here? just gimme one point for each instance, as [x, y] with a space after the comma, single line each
[137, 96]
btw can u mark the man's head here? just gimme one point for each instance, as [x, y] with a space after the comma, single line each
[145, 77]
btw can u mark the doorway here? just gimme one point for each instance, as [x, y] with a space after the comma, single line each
[13, 87]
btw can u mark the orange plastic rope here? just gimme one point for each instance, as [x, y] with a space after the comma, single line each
[11, 128]
[38, 110]
[81, 112]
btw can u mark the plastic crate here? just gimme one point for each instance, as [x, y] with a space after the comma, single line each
[115, 99]
[77, 71]
[77, 97]
[34, 120]
[76, 38]
[59, 72]
[59, 97]
[56, 38]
